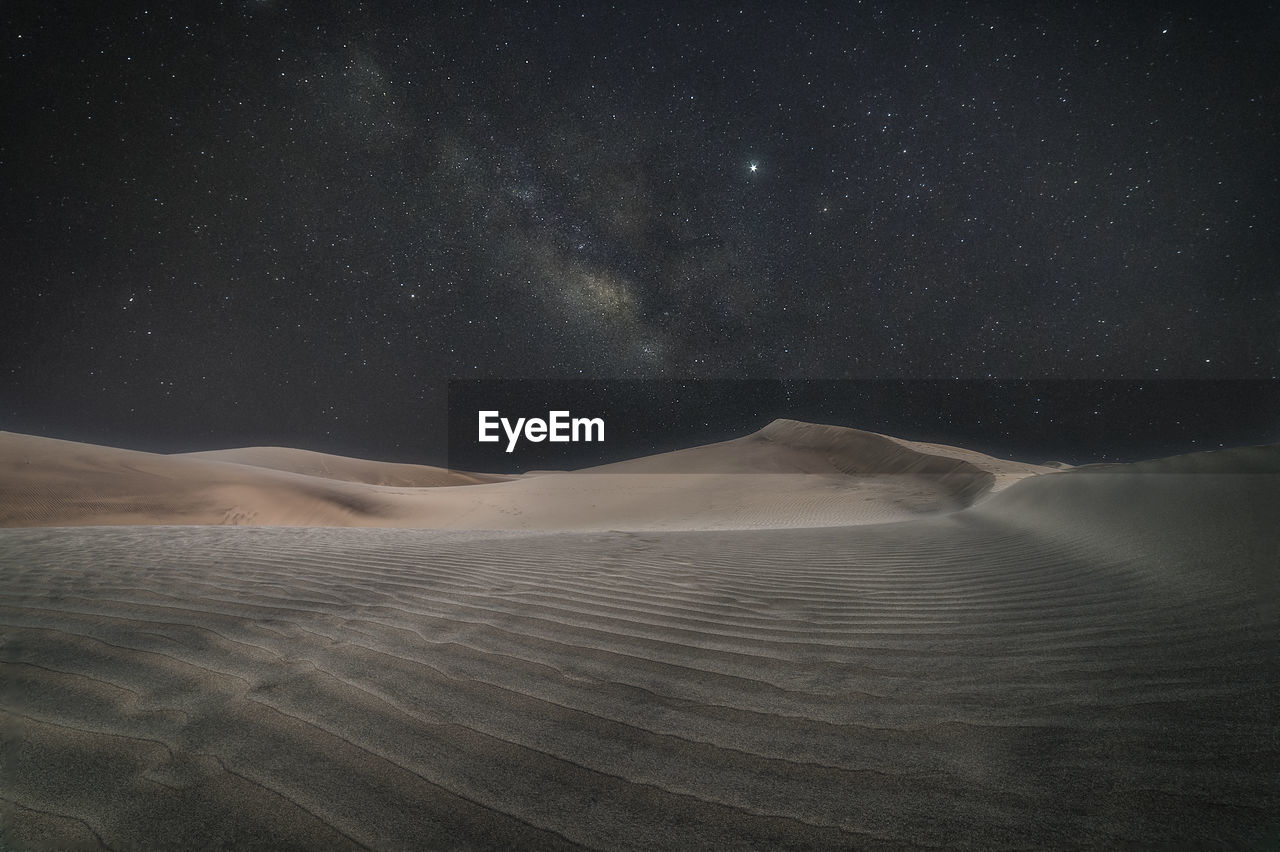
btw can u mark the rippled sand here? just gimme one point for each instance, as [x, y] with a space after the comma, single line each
[1081, 660]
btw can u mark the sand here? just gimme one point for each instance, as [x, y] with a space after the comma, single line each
[345, 469]
[1087, 658]
[786, 475]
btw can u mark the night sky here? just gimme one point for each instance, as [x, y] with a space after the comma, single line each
[291, 223]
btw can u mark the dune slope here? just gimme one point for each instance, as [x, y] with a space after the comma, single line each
[345, 469]
[48, 482]
[787, 474]
[988, 679]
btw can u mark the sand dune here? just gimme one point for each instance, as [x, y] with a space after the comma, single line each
[1089, 659]
[46, 482]
[787, 474]
[792, 447]
[981, 680]
[345, 469]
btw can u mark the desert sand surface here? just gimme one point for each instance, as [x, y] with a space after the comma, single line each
[49, 482]
[787, 474]
[345, 469]
[1085, 659]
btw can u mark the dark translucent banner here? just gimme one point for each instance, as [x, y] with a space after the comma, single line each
[519, 425]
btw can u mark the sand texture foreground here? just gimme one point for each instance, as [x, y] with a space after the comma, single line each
[1082, 660]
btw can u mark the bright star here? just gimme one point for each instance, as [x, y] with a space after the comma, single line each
[754, 166]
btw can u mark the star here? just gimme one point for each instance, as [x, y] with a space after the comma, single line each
[615, 219]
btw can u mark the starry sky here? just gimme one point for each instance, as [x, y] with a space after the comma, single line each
[260, 221]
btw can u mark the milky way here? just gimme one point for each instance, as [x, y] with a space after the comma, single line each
[268, 221]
